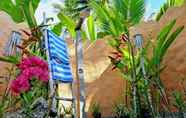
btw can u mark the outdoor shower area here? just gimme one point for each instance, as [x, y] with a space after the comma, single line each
[92, 59]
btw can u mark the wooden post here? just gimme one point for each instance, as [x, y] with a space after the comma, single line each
[53, 110]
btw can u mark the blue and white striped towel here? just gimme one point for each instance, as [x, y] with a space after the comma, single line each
[59, 59]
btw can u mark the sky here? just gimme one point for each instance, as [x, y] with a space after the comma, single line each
[152, 6]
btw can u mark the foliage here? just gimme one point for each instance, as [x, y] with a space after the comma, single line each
[9, 59]
[126, 13]
[21, 11]
[38, 89]
[120, 110]
[95, 109]
[179, 102]
[91, 29]
[8, 101]
[70, 11]
[30, 82]
[69, 8]
[164, 40]
[33, 84]
[67, 111]
[69, 23]
[167, 5]
[141, 71]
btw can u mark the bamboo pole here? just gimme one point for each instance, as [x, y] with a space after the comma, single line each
[51, 82]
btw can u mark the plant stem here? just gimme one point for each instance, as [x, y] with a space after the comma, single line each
[136, 103]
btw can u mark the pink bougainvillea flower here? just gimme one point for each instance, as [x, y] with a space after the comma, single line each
[36, 61]
[32, 62]
[44, 76]
[39, 73]
[20, 84]
[30, 67]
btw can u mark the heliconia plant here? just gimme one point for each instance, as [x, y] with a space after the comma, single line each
[116, 21]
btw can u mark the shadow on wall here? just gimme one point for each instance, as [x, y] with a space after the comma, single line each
[106, 91]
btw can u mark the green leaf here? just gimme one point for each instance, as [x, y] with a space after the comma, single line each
[57, 28]
[21, 10]
[69, 23]
[160, 41]
[29, 13]
[10, 59]
[14, 10]
[167, 5]
[91, 28]
[116, 18]
[169, 41]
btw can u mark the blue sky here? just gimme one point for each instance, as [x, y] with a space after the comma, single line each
[152, 6]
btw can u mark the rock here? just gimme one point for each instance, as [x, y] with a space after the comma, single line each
[39, 110]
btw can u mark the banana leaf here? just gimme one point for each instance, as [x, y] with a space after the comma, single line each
[68, 23]
[21, 10]
[91, 28]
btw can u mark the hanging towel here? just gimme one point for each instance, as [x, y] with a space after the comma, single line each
[58, 58]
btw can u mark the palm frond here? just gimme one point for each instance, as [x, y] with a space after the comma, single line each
[167, 5]
[125, 12]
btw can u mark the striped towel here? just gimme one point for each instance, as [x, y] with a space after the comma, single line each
[59, 59]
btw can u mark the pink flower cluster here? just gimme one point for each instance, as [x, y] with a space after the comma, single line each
[29, 67]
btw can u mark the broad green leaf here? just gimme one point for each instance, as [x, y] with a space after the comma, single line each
[28, 11]
[167, 5]
[160, 41]
[57, 28]
[91, 28]
[14, 10]
[169, 41]
[69, 23]
[21, 10]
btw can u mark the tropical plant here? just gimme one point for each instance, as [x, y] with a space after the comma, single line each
[7, 101]
[126, 13]
[96, 110]
[121, 111]
[164, 40]
[21, 11]
[30, 82]
[167, 5]
[116, 20]
[179, 102]
[24, 11]
[71, 11]
[67, 112]
[70, 8]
